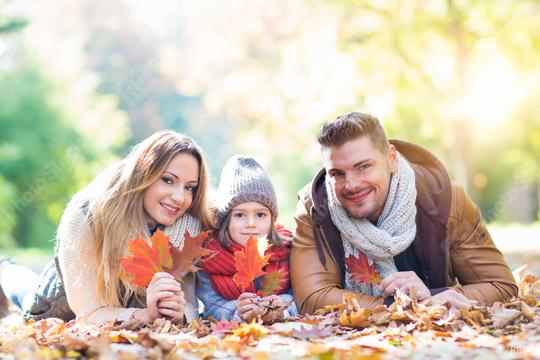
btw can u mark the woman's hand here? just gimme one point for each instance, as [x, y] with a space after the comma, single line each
[164, 297]
[173, 307]
[248, 306]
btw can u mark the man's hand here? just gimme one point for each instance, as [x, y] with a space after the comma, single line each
[454, 298]
[404, 280]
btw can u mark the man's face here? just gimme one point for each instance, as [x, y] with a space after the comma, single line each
[360, 175]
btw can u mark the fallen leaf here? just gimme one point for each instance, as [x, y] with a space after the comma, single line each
[473, 317]
[326, 309]
[361, 271]
[312, 332]
[357, 319]
[529, 285]
[527, 311]
[249, 332]
[501, 317]
[444, 334]
[223, 326]
[380, 315]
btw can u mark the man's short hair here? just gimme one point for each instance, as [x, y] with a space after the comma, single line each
[352, 126]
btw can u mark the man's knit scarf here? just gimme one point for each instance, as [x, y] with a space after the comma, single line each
[394, 232]
[221, 268]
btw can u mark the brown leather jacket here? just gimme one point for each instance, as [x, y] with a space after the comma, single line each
[452, 246]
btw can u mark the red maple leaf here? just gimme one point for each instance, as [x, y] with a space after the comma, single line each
[184, 259]
[249, 264]
[146, 260]
[361, 271]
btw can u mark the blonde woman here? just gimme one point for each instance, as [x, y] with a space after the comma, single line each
[160, 184]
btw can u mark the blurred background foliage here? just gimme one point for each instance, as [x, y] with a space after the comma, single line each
[81, 82]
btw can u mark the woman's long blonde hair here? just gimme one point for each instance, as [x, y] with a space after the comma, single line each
[116, 213]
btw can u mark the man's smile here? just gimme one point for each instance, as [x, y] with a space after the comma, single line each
[358, 197]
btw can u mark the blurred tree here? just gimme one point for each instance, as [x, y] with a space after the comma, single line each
[453, 73]
[37, 151]
[12, 25]
[439, 73]
[260, 77]
[7, 190]
[56, 134]
[126, 56]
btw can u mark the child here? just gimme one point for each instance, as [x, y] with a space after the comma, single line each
[161, 183]
[245, 206]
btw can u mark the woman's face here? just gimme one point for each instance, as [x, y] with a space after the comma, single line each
[169, 197]
[249, 219]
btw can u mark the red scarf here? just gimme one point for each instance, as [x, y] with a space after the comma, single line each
[220, 266]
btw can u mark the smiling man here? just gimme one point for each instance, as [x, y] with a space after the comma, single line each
[391, 202]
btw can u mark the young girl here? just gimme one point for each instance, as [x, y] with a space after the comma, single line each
[245, 206]
[160, 184]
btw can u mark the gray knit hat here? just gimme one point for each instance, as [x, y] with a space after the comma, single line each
[243, 180]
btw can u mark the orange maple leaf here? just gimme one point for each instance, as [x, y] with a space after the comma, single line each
[183, 259]
[146, 260]
[160, 242]
[249, 264]
[139, 269]
[361, 271]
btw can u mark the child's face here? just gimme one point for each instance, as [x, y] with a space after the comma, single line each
[249, 219]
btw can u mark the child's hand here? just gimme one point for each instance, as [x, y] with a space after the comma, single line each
[271, 299]
[248, 306]
[274, 308]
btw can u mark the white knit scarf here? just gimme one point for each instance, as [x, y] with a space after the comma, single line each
[394, 232]
[177, 230]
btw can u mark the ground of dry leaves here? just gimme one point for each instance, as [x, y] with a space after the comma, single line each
[406, 329]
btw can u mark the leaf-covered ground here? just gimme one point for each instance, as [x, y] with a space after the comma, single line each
[405, 329]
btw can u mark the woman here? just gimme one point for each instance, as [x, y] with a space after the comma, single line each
[161, 183]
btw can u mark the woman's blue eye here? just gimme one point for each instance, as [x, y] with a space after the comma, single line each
[191, 188]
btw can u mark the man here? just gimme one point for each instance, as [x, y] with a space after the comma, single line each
[393, 204]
